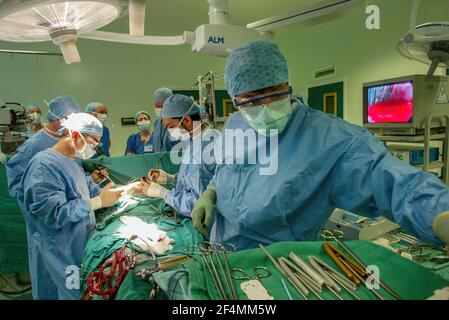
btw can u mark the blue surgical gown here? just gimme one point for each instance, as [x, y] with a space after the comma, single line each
[161, 138]
[59, 220]
[196, 171]
[321, 163]
[15, 167]
[136, 146]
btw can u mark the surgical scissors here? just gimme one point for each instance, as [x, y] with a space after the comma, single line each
[259, 273]
[337, 235]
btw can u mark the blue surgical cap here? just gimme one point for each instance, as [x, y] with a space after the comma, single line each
[93, 105]
[29, 106]
[179, 105]
[161, 94]
[256, 65]
[61, 107]
[140, 112]
[83, 123]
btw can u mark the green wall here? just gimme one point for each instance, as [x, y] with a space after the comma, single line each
[358, 54]
[316, 96]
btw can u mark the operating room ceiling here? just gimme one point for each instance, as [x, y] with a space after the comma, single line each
[172, 17]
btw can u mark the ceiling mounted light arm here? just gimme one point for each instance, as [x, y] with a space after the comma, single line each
[186, 38]
[304, 14]
[136, 10]
[66, 40]
[414, 15]
[427, 43]
[219, 12]
[64, 22]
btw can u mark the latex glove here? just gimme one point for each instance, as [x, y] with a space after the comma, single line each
[108, 196]
[160, 176]
[131, 188]
[441, 227]
[203, 211]
[153, 190]
[99, 175]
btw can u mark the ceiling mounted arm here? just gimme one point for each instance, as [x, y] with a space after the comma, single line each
[219, 12]
[186, 38]
[414, 15]
[136, 10]
[427, 43]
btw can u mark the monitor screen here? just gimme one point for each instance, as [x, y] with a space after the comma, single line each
[390, 103]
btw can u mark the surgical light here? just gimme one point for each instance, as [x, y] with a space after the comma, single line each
[60, 21]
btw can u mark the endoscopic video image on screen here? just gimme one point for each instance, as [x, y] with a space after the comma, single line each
[391, 103]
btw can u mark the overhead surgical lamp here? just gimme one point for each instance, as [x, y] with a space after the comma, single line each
[427, 43]
[59, 21]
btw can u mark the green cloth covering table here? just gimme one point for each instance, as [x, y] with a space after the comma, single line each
[13, 241]
[407, 278]
[107, 239]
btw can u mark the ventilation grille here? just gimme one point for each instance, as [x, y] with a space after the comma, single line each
[327, 72]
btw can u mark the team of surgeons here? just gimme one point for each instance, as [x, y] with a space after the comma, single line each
[324, 163]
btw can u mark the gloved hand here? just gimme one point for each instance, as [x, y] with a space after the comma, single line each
[441, 227]
[109, 197]
[160, 176]
[152, 190]
[131, 188]
[99, 175]
[203, 211]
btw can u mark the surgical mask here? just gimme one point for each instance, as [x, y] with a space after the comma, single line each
[59, 133]
[86, 153]
[267, 117]
[144, 125]
[158, 112]
[179, 134]
[103, 117]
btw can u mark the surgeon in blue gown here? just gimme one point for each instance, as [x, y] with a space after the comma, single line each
[318, 163]
[181, 117]
[161, 138]
[59, 108]
[59, 205]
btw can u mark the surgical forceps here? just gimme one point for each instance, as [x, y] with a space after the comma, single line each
[204, 253]
[212, 247]
[259, 273]
[336, 236]
[223, 251]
